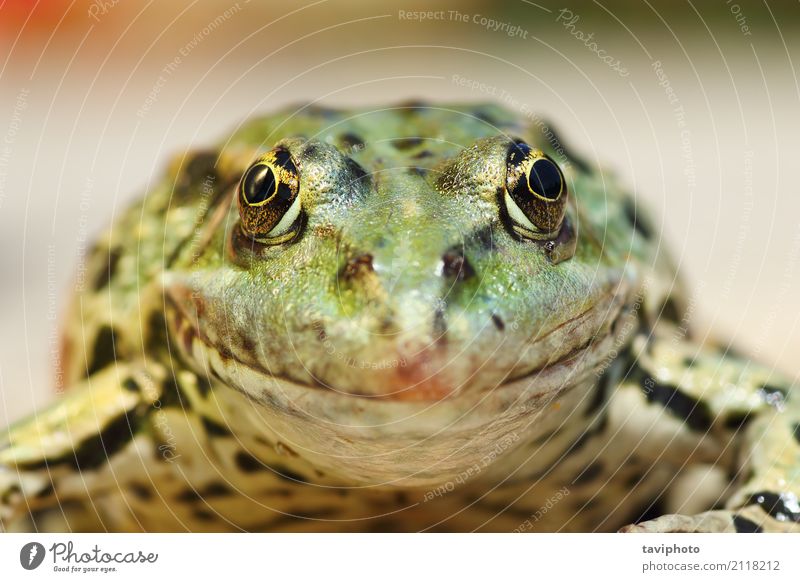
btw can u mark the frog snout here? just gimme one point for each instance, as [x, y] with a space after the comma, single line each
[376, 274]
[415, 337]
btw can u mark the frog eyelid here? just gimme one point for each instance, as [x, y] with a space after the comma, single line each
[289, 218]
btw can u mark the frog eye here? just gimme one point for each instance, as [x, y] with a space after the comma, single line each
[536, 192]
[269, 200]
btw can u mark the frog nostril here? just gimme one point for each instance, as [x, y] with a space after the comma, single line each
[456, 266]
[358, 266]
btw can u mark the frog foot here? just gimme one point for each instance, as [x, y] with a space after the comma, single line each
[746, 520]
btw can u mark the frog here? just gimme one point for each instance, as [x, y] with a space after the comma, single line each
[416, 316]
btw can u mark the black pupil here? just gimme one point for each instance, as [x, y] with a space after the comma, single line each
[545, 179]
[259, 184]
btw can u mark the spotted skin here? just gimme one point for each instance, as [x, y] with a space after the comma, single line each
[410, 356]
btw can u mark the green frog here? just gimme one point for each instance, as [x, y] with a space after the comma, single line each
[417, 317]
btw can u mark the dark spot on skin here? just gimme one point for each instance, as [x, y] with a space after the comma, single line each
[736, 473]
[400, 498]
[670, 311]
[412, 107]
[777, 505]
[738, 421]
[171, 394]
[693, 412]
[483, 238]
[108, 270]
[422, 155]
[650, 511]
[9, 492]
[205, 190]
[406, 143]
[311, 150]
[589, 474]
[47, 491]
[386, 325]
[351, 141]
[358, 267]
[104, 350]
[688, 362]
[201, 165]
[130, 385]
[289, 475]
[638, 222]
[635, 479]
[455, 265]
[197, 175]
[214, 428]
[498, 322]
[188, 496]
[215, 489]
[418, 171]
[204, 515]
[97, 450]
[559, 146]
[486, 117]
[247, 343]
[602, 391]
[203, 386]
[224, 352]
[141, 491]
[645, 329]
[247, 463]
[359, 173]
[744, 525]
[157, 336]
[187, 337]
[720, 504]
[796, 431]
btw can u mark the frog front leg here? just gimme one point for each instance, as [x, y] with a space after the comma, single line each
[751, 414]
[55, 464]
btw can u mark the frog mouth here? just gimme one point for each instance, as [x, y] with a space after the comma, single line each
[551, 375]
[396, 441]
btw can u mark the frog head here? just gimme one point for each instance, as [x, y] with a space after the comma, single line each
[425, 274]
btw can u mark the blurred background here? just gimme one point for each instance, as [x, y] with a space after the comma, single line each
[696, 105]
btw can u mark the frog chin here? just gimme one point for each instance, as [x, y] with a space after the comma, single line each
[396, 442]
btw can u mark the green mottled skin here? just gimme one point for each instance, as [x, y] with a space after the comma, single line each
[405, 362]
